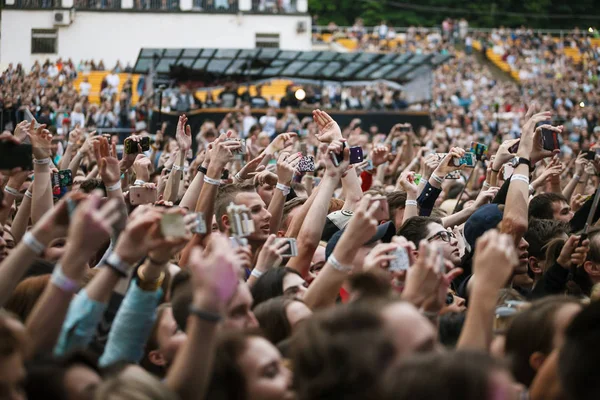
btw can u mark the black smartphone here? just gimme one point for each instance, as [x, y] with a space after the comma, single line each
[14, 155]
[550, 140]
[590, 155]
[405, 129]
[131, 146]
[356, 155]
[337, 158]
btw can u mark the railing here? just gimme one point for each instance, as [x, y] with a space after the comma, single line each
[404, 29]
[225, 6]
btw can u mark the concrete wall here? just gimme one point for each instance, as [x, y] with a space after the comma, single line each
[113, 36]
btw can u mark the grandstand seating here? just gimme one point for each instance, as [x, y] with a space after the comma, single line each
[95, 79]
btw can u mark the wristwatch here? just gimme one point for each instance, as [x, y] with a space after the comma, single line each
[515, 162]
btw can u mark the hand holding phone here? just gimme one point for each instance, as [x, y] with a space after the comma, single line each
[292, 250]
[142, 195]
[467, 160]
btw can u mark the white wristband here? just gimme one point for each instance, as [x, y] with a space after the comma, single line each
[237, 177]
[115, 262]
[29, 194]
[63, 282]
[34, 244]
[43, 161]
[519, 177]
[256, 273]
[437, 179]
[410, 203]
[177, 167]
[577, 177]
[531, 189]
[337, 265]
[285, 189]
[485, 185]
[10, 190]
[212, 181]
[138, 182]
[114, 187]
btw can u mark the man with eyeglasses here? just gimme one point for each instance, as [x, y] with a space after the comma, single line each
[416, 229]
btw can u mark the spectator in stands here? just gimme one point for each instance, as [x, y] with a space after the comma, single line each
[258, 101]
[228, 98]
[182, 100]
[112, 81]
[269, 121]
[84, 87]
[77, 116]
[248, 122]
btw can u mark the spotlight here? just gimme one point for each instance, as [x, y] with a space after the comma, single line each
[582, 104]
[591, 30]
[300, 94]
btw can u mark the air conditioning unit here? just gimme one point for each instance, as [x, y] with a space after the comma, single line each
[62, 18]
[301, 27]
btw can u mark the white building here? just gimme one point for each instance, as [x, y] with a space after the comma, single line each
[28, 35]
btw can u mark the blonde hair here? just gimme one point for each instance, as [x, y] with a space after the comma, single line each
[134, 384]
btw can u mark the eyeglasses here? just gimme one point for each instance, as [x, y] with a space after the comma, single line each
[445, 236]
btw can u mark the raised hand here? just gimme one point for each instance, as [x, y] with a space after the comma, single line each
[329, 130]
[108, 165]
[286, 166]
[427, 281]
[580, 164]
[21, 130]
[429, 164]
[128, 159]
[223, 148]
[406, 181]
[336, 147]
[251, 168]
[75, 135]
[380, 256]
[91, 224]
[379, 155]
[577, 201]
[41, 140]
[503, 155]
[538, 152]
[494, 261]
[528, 136]
[363, 224]
[270, 256]
[281, 142]
[141, 167]
[215, 273]
[266, 177]
[183, 134]
[485, 196]
[446, 165]
[572, 254]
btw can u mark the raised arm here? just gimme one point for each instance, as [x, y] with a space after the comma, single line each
[286, 166]
[214, 279]
[42, 187]
[493, 265]
[312, 228]
[484, 197]
[362, 226]
[580, 163]
[89, 229]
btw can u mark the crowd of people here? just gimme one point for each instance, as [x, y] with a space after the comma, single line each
[220, 264]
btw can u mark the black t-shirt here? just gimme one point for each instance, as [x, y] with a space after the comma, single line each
[228, 99]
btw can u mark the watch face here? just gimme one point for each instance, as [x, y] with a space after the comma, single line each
[514, 162]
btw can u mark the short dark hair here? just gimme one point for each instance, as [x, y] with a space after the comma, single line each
[270, 284]
[272, 318]
[450, 327]
[541, 232]
[532, 330]
[579, 355]
[541, 205]
[415, 228]
[226, 195]
[396, 200]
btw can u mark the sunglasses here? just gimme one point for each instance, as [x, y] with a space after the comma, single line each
[445, 236]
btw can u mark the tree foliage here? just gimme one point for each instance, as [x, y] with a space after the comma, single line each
[547, 14]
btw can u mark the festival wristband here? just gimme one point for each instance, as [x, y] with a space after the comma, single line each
[30, 241]
[212, 181]
[63, 282]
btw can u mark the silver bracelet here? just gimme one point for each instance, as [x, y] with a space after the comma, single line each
[256, 273]
[43, 161]
[437, 179]
[212, 181]
[485, 185]
[29, 194]
[237, 177]
[34, 245]
[114, 187]
[63, 282]
[177, 167]
[10, 190]
[531, 189]
[410, 203]
[577, 178]
[284, 188]
[337, 266]
[138, 182]
[519, 177]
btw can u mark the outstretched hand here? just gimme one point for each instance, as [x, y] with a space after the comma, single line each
[329, 130]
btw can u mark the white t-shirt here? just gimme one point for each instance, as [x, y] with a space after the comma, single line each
[84, 88]
[77, 118]
[268, 123]
[112, 80]
[247, 123]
